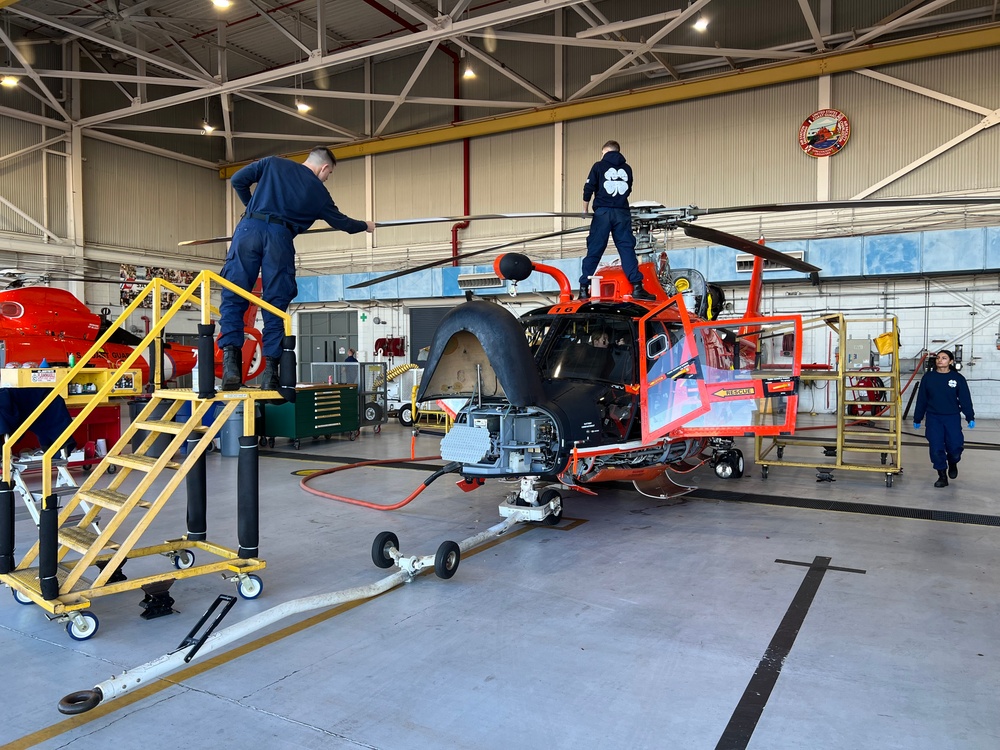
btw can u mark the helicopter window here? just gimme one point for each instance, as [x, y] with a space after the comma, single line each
[588, 348]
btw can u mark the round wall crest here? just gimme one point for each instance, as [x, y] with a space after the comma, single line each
[824, 132]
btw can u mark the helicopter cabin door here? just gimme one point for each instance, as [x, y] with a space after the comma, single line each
[749, 373]
[670, 389]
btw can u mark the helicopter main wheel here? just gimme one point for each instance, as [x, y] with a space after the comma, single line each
[83, 626]
[250, 587]
[730, 466]
[406, 415]
[547, 497]
[380, 549]
[446, 561]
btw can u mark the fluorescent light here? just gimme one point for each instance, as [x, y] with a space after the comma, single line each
[701, 24]
[206, 129]
[469, 73]
[222, 3]
[301, 106]
[9, 81]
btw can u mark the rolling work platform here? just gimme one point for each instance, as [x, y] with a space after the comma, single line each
[869, 412]
[123, 488]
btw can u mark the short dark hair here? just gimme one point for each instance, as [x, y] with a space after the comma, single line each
[612, 146]
[323, 155]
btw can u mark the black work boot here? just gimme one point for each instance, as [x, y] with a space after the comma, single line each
[232, 368]
[584, 292]
[953, 469]
[942, 479]
[641, 294]
[270, 379]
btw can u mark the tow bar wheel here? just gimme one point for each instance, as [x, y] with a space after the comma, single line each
[380, 549]
[82, 626]
[446, 561]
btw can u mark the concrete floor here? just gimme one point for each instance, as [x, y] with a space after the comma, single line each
[712, 621]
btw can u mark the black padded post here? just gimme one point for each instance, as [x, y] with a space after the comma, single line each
[287, 369]
[48, 547]
[197, 494]
[248, 498]
[206, 360]
[6, 527]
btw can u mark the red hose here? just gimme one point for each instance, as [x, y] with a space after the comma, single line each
[365, 503]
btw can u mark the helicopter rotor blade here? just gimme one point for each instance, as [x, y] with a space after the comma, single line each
[738, 243]
[424, 220]
[441, 262]
[837, 205]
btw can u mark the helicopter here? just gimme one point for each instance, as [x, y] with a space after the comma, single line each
[610, 388]
[46, 323]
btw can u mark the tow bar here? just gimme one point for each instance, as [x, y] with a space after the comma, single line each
[385, 554]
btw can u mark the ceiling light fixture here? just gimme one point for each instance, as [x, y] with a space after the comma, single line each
[701, 24]
[301, 106]
[222, 3]
[206, 128]
[9, 81]
[469, 73]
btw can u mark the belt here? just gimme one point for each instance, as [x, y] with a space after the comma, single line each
[271, 220]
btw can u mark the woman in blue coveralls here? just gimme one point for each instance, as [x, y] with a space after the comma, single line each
[288, 198]
[944, 393]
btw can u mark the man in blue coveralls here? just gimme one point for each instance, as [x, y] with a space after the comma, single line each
[288, 198]
[610, 183]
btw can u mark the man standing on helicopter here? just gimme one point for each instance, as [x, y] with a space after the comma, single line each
[610, 183]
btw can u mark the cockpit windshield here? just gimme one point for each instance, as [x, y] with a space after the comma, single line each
[585, 347]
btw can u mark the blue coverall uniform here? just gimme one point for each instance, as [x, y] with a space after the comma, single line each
[942, 395]
[288, 199]
[610, 184]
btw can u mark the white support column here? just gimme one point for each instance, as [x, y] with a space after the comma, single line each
[369, 159]
[74, 191]
[558, 130]
[823, 162]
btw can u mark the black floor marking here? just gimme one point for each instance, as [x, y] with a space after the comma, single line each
[949, 516]
[748, 711]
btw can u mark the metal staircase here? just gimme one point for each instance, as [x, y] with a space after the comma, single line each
[128, 490]
[869, 411]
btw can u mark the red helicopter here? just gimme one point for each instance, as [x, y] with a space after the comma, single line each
[45, 323]
[611, 388]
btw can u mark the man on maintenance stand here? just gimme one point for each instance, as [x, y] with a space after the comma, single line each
[610, 183]
[288, 198]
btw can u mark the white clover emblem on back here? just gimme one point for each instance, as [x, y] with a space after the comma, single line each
[616, 181]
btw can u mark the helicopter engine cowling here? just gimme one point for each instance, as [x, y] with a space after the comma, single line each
[479, 350]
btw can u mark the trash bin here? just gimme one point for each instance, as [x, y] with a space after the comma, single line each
[184, 414]
[232, 431]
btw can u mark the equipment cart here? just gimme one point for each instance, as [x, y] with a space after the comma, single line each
[318, 411]
[370, 377]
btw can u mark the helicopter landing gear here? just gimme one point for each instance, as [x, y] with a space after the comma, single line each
[532, 504]
[728, 464]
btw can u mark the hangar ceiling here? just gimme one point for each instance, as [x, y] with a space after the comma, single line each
[142, 64]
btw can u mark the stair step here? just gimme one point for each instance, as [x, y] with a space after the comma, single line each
[162, 425]
[80, 539]
[142, 463]
[109, 499]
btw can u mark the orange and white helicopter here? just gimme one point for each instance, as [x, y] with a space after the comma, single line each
[611, 388]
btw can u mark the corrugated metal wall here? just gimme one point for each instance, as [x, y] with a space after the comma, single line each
[141, 202]
[335, 249]
[21, 178]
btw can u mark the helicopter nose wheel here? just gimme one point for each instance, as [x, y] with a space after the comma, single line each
[729, 465]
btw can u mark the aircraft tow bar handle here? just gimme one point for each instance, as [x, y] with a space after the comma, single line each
[197, 643]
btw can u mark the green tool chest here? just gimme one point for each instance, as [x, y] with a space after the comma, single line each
[318, 411]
